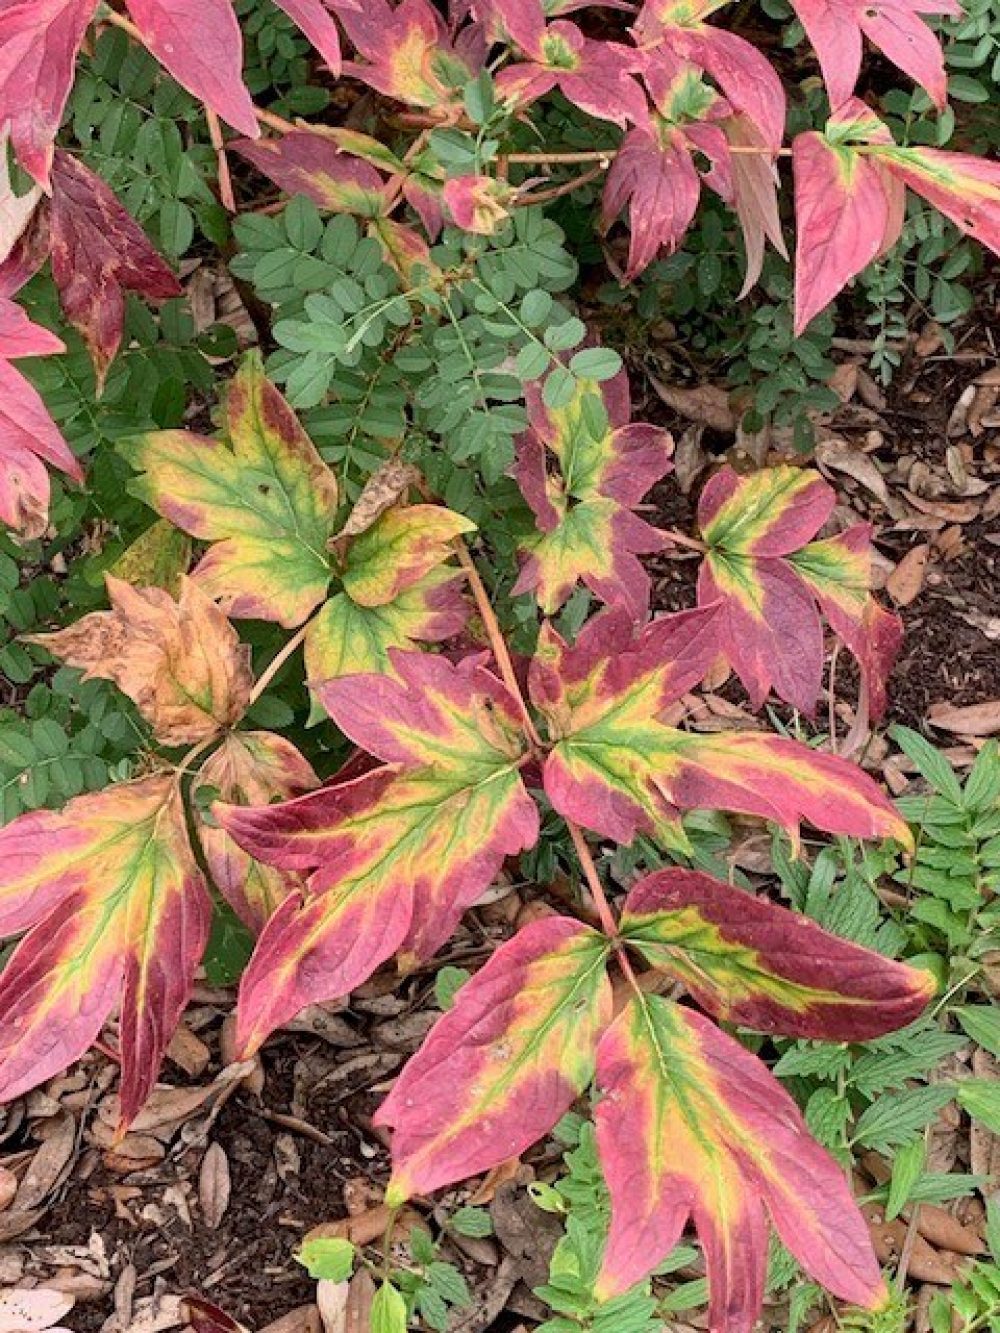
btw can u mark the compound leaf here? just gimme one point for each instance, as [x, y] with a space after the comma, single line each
[114, 906]
[587, 531]
[748, 961]
[505, 1062]
[266, 499]
[398, 853]
[689, 1124]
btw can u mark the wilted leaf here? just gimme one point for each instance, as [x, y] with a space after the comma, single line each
[115, 909]
[505, 1063]
[180, 661]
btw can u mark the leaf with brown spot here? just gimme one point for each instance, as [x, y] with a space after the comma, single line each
[214, 1186]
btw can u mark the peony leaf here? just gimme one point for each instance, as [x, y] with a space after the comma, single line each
[768, 581]
[748, 961]
[29, 439]
[39, 43]
[345, 639]
[398, 853]
[199, 42]
[399, 549]
[180, 661]
[266, 499]
[618, 768]
[836, 27]
[301, 162]
[114, 906]
[587, 531]
[99, 252]
[504, 1063]
[689, 1124]
[252, 768]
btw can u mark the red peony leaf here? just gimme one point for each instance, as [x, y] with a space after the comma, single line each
[689, 1124]
[768, 577]
[654, 177]
[301, 162]
[398, 853]
[39, 42]
[835, 29]
[99, 252]
[113, 904]
[315, 22]
[618, 768]
[748, 961]
[505, 1063]
[199, 42]
[594, 75]
[587, 530]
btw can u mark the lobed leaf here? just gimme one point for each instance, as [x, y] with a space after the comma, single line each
[266, 499]
[504, 1063]
[180, 661]
[396, 854]
[113, 904]
[689, 1124]
[587, 531]
[768, 578]
[618, 768]
[748, 961]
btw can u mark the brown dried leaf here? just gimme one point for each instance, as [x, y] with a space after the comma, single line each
[214, 1185]
[708, 404]
[182, 662]
[48, 1164]
[31, 1310]
[836, 455]
[948, 511]
[360, 1294]
[387, 484]
[332, 1298]
[905, 582]
[971, 720]
[8, 1188]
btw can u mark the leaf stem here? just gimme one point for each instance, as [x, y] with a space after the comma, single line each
[679, 539]
[278, 661]
[497, 641]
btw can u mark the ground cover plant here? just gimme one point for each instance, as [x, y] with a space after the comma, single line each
[312, 645]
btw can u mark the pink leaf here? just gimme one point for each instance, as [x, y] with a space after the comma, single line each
[842, 211]
[314, 20]
[39, 42]
[20, 337]
[301, 162]
[655, 178]
[28, 436]
[200, 44]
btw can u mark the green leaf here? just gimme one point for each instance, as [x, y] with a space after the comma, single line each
[327, 1258]
[981, 1098]
[906, 1171]
[982, 1023]
[596, 363]
[931, 764]
[388, 1311]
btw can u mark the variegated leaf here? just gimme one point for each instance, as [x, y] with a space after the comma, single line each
[505, 1063]
[689, 1124]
